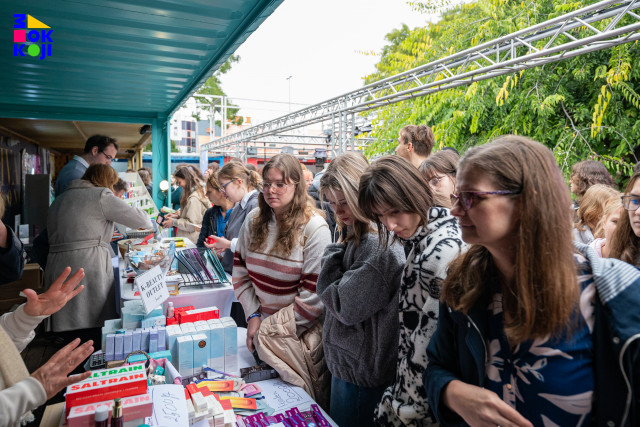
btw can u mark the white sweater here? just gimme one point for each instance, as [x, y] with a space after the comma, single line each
[28, 394]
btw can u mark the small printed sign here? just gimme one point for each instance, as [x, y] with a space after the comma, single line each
[153, 288]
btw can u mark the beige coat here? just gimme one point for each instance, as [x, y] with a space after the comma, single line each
[298, 360]
[80, 226]
[192, 214]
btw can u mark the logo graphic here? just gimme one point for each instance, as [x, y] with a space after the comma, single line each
[30, 36]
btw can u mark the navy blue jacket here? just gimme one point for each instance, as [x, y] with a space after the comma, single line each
[71, 171]
[457, 350]
[11, 259]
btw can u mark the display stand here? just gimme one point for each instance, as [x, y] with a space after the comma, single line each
[138, 196]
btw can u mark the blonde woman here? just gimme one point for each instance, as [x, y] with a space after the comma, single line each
[358, 285]
[607, 226]
[590, 212]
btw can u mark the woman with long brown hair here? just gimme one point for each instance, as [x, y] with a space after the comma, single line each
[625, 243]
[193, 205]
[530, 330]
[275, 270]
[396, 197]
[80, 226]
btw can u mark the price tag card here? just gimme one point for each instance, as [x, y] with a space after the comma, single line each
[153, 288]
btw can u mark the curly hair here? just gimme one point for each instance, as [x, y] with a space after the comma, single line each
[587, 173]
[541, 298]
[421, 137]
[101, 176]
[625, 244]
[298, 213]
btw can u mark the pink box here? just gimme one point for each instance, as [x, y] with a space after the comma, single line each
[133, 408]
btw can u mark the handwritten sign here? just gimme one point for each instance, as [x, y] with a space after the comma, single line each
[153, 288]
[169, 406]
[282, 396]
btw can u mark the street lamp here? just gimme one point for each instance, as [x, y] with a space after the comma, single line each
[289, 80]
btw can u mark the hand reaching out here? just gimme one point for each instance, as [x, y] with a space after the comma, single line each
[56, 296]
[481, 407]
[54, 375]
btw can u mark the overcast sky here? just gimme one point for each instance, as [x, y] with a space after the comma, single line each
[317, 43]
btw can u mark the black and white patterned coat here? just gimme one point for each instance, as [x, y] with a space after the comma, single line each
[434, 246]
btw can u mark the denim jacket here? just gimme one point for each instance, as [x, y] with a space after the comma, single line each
[458, 349]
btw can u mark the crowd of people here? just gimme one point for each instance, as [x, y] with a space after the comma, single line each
[422, 288]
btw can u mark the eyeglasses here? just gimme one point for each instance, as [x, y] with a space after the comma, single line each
[466, 197]
[631, 203]
[108, 157]
[435, 181]
[279, 187]
[223, 188]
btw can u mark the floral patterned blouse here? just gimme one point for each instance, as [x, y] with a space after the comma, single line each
[549, 381]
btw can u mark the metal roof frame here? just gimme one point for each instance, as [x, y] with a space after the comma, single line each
[504, 55]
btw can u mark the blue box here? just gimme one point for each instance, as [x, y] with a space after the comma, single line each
[153, 341]
[162, 338]
[119, 347]
[216, 344]
[200, 352]
[185, 355]
[128, 343]
[137, 339]
[109, 353]
[230, 345]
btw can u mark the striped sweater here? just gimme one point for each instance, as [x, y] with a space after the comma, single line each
[268, 282]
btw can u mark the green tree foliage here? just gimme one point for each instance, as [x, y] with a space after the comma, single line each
[584, 107]
[212, 87]
[174, 146]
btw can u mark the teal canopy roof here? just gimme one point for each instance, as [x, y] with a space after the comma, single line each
[116, 60]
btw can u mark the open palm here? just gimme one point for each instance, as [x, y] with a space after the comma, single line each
[56, 296]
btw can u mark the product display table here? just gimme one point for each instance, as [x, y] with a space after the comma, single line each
[198, 296]
[278, 394]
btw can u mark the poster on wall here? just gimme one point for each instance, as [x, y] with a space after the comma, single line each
[10, 178]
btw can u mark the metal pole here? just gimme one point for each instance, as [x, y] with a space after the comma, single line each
[289, 80]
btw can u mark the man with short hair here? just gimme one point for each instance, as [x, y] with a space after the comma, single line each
[415, 143]
[98, 149]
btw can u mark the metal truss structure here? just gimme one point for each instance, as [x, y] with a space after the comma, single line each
[563, 37]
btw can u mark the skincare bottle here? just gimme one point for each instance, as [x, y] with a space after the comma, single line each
[170, 310]
[116, 414]
[102, 416]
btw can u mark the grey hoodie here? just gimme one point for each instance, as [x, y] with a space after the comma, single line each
[358, 285]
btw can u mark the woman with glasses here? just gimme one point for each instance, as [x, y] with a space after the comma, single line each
[275, 269]
[358, 285]
[439, 169]
[240, 186]
[625, 243]
[193, 204]
[531, 330]
[396, 197]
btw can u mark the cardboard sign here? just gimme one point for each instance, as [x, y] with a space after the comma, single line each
[169, 406]
[153, 288]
